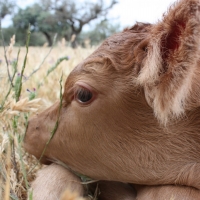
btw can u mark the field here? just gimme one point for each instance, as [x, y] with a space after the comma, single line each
[28, 84]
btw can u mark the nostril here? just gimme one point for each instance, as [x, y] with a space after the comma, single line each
[37, 128]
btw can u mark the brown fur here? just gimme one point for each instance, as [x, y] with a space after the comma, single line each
[107, 190]
[168, 192]
[53, 180]
[56, 182]
[142, 126]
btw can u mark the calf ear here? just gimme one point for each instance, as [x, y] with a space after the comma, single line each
[170, 67]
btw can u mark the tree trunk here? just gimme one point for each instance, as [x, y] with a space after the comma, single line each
[48, 37]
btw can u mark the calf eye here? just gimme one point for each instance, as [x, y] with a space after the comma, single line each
[83, 95]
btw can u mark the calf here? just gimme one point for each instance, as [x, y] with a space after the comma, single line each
[131, 110]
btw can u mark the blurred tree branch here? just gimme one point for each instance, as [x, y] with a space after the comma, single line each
[6, 7]
[75, 15]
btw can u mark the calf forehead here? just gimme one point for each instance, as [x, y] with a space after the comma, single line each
[120, 54]
[123, 42]
[133, 35]
[121, 51]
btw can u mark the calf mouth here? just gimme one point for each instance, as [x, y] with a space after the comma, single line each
[45, 160]
[41, 158]
[35, 144]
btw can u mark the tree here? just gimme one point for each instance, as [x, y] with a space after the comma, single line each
[66, 18]
[77, 15]
[100, 32]
[36, 39]
[6, 7]
[40, 20]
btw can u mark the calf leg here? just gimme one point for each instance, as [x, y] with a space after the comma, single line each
[53, 180]
[168, 192]
[110, 190]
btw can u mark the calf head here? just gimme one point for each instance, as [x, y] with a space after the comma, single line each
[122, 112]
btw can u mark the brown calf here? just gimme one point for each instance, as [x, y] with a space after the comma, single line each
[131, 110]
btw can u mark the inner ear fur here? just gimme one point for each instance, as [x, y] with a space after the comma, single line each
[172, 60]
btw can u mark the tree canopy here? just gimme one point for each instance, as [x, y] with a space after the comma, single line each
[65, 18]
[40, 20]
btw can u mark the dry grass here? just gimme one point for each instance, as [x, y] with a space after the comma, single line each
[17, 168]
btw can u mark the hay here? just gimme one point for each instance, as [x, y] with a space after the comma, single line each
[17, 168]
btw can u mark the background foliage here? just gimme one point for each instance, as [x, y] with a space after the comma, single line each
[64, 18]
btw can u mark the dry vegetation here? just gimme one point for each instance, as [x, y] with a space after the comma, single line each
[17, 168]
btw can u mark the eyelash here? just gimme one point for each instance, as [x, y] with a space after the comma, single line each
[83, 95]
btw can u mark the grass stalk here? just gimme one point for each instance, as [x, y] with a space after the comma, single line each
[57, 121]
[18, 83]
[55, 126]
[5, 56]
[54, 40]
[56, 64]
[8, 164]
[10, 88]
[22, 163]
